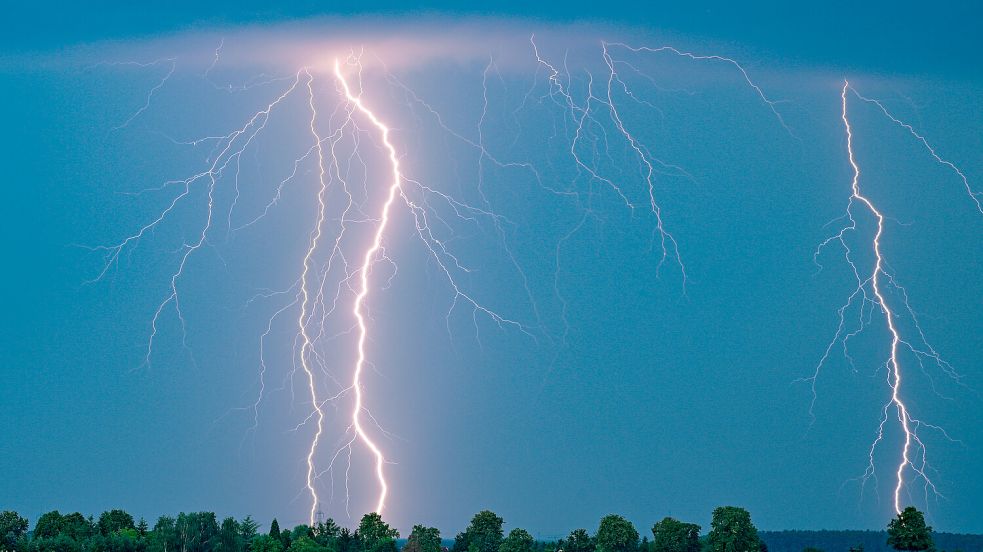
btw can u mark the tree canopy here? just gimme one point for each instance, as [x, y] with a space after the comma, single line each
[423, 539]
[672, 535]
[908, 531]
[579, 541]
[731, 530]
[12, 528]
[376, 535]
[483, 534]
[519, 540]
[616, 534]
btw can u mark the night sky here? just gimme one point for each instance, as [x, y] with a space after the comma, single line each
[631, 389]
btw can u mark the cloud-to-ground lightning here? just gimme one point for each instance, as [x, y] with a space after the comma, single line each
[311, 296]
[873, 294]
[302, 317]
[368, 259]
[351, 212]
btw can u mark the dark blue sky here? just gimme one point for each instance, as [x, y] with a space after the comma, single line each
[659, 402]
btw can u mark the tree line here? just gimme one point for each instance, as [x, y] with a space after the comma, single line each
[731, 530]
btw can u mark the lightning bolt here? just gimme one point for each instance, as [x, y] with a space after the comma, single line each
[368, 259]
[894, 377]
[304, 316]
[870, 296]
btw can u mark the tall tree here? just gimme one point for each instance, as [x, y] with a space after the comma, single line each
[347, 541]
[275, 529]
[483, 534]
[163, 537]
[460, 542]
[230, 536]
[197, 531]
[78, 527]
[616, 534]
[113, 521]
[376, 535]
[672, 535]
[326, 533]
[423, 539]
[247, 530]
[519, 540]
[731, 530]
[908, 531]
[12, 528]
[74, 526]
[48, 525]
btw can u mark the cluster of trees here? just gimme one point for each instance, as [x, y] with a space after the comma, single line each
[116, 531]
[731, 530]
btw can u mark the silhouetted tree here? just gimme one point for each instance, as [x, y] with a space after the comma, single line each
[196, 531]
[163, 537]
[519, 540]
[483, 534]
[230, 537]
[376, 535]
[247, 531]
[578, 541]
[12, 528]
[731, 530]
[114, 520]
[347, 541]
[908, 531]
[423, 539]
[326, 533]
[672, 535]
[48, 525]
[616, 534]
[460, 542]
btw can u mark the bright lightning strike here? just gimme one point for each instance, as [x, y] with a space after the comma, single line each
[368, 260]
[872, 294]
[894, 376]
[302, 318]
[315, 299]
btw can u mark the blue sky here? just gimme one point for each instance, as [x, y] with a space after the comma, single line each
[660, 400]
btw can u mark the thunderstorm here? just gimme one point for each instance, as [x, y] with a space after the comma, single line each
[350, 213]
